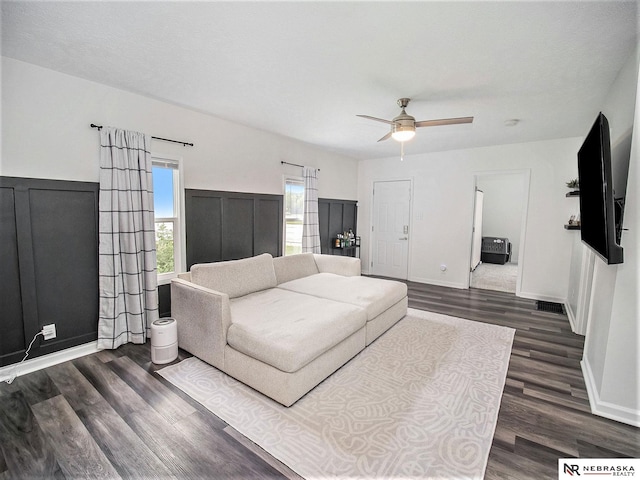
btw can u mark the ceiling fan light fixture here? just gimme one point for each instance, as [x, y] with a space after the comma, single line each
[403, 133]
[403, 127]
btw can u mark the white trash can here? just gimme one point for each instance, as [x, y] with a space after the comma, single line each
[164, 340]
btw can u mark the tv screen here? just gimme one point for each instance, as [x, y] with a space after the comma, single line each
[599, 228]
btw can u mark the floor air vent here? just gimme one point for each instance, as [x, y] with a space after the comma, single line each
[549, 307]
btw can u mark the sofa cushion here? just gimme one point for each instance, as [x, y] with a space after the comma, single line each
[287, 330]
[291, 267]
[375, 295]
[237, 277]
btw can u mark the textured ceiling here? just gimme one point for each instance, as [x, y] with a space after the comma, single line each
[305, 69]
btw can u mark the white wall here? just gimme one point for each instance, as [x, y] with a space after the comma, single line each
[611, 361]
[443, 211]
[503, 203]
[46, 134]
[573, 294]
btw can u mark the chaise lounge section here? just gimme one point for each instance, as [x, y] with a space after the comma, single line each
[282, 325]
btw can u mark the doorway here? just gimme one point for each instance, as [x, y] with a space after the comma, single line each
[390, 228]
[499, 230]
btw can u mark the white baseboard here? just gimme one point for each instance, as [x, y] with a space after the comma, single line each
[572, 317]
[45, 361]
[542, 298]
[606, 409]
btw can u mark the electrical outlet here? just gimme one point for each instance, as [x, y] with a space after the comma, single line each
[49, 331]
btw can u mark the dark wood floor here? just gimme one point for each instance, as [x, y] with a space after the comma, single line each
[108, 415]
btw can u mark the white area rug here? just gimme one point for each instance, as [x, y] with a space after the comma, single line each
[421, 401]
[490, 276]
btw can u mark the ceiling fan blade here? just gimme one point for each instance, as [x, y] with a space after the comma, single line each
[385, 137]
[390, 122]
[444, 121]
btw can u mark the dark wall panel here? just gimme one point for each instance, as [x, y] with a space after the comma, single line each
[203, 221]
[164, 300]
[268, 222]
[63, 232]
[229, 225]
[237, 228]
[323, 220]
[49, 264]
[12, 340]
[349, 217]
[336, 216]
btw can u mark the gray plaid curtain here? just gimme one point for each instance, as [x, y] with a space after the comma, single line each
[310, 224]
[127, 249]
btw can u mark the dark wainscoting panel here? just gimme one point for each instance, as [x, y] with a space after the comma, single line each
[164, 300]
[203, 221]
[12, 339]
[268, 225]
[227, 225]
[50, 228]
[64, 235]
[238, 227]
[336, 216]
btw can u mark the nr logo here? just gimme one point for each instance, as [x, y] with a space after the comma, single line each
[572, 469]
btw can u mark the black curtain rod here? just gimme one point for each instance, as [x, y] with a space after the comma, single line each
[294, 165]
[184, 144]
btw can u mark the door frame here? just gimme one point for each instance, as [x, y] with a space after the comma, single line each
[372, 217]
[525, 174]
[474, 237]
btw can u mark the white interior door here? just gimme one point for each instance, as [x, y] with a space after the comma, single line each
[390, 228]
[476, 245]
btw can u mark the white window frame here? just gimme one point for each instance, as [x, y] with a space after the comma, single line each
[179, 235]
[285, 178]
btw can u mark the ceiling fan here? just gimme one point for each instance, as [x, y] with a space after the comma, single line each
[403, 127]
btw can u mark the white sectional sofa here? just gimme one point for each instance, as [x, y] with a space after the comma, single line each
[282, 325]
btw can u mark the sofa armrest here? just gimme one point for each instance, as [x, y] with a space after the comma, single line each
[203, 316]
[346, 266]
[185, 276]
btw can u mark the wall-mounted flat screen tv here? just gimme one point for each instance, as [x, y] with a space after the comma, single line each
[600, 220]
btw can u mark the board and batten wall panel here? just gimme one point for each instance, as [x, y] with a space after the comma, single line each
[238, 227]
[335, 216]
[203, 221]
[12, 340]
[268, 222]
[49, 264]
[64, 233]
[229, 225]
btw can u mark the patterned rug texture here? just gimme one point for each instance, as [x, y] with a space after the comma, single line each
[421, 401]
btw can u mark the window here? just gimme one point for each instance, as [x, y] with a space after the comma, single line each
[293, 214]
[166, 203]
